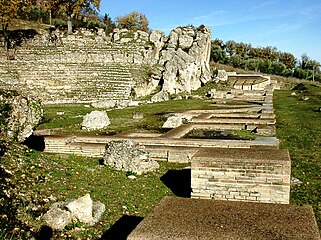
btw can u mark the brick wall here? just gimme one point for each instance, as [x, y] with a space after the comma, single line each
[260, 175]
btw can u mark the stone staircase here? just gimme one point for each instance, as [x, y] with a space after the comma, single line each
[73, 73]
[70, 82]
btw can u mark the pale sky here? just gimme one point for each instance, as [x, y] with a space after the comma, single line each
[290, 25]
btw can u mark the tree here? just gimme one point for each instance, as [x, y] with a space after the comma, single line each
[287, 59]
[110, 25]
[8, 11]
[304, 61]
[230, 47]
[242, 49]
[314, 66]
[133, 21]
[218, 42]
[218, 54]
[74, 7]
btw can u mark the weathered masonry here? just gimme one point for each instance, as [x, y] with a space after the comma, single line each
[87, 66]
[253, 174]
[203, 219]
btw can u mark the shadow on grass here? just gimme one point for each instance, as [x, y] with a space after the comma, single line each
[178, 181]
[35, 142]
[45, 233]
[122, 228]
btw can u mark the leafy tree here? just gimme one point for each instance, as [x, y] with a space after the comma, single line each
[73, 7]
[269, 53]
[287, 59]
[299, 73]
[8, 11]
[242, 49]
[236, 61]
[314, 66]
[218, 42]
[277, 68]
[304, 61]
[254, 52]
[218, 54]
[110, 25]
[265, 66]
[252, 64]
[230, 47]
[133, 21]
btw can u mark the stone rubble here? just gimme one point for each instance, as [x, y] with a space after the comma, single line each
[130, 156]
[82, 209]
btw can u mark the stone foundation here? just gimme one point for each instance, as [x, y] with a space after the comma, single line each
[202, 219]
[257, 174]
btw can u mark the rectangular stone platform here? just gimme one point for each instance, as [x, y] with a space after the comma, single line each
[254, 174]
[203, 219]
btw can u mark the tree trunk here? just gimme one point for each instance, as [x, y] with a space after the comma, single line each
[50, 17]
[6, 39]
[69, 25]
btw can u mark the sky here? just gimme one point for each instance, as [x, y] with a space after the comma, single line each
[290, 25]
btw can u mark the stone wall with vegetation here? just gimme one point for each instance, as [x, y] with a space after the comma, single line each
[88, 66]
[19, 114]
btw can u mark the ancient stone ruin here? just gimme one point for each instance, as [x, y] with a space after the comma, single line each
[90, 67]
[107, 71]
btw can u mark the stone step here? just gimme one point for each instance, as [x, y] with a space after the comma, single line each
[235, 121]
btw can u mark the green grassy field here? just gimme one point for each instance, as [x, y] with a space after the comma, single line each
[299, 130]
[121, 119]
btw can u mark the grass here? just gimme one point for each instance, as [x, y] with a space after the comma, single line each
[299, 130]
[47, 178]
[121, 119]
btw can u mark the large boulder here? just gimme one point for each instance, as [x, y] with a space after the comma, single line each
[19, 114]
[82, 209]
[95, 120]
[128, 155]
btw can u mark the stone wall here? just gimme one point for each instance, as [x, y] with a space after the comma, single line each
[259, 175]
[89, 66]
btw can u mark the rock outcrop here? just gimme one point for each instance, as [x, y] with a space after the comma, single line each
[186, 59]
[128, 155]
[19, 114]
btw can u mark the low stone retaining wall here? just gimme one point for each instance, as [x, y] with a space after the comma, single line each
[255, 174]
[161, 149]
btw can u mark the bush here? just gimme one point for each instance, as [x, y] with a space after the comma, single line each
[59, 23]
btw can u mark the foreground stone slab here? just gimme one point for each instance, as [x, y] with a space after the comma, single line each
[202, 219]
[255, 174]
